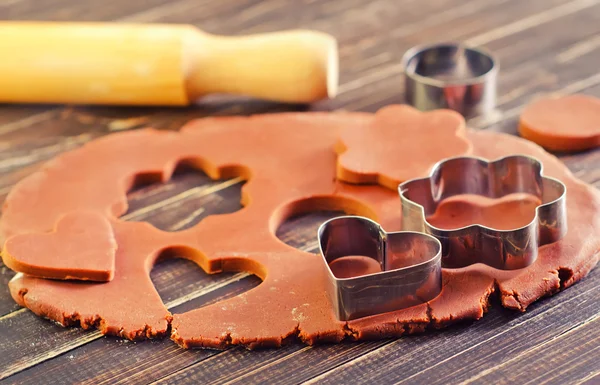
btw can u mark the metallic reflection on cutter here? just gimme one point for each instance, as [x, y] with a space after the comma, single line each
[501, 249]
[410, 263]
[451, 75]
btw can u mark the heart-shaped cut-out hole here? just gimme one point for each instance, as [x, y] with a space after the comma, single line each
[409, 274]
[82, 246]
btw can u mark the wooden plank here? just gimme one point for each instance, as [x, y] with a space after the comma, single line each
[7, 305]
[514, 344]
[548, 70]
[301, 231]
[413, 358]
[63, 9]
[565, 79]
[522, 75]
[470, 27]
[23, 115]
[110, 360]
[46, 139]
[16, 157]
[585, 165]
[39, 340]
[32, 340]
[140, 11]
[289, 364]
[174, 206]
[570, 357]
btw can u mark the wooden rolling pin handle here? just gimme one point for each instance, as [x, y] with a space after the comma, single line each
[153, 64]
[292, 66]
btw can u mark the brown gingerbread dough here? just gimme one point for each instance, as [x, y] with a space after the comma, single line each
[508, 212]
[568, 123]
[290, 164]
[81, 247]
[401, 143]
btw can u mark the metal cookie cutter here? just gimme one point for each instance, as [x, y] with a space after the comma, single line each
[502, 249]
[411, 271]
[450, 75]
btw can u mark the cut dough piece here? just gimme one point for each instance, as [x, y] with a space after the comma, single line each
[401, 143]
[568, 123]
[82, 246]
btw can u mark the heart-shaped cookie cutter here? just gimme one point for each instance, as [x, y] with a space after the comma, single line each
[410, 262]
[502, 249]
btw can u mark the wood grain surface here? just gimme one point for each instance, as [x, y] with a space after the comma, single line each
[544, 46]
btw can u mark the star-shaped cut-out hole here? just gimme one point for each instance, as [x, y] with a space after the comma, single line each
[402, 143]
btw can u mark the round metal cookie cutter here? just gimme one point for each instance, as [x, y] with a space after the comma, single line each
[450, 75]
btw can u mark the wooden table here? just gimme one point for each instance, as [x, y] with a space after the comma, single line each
[543, 45]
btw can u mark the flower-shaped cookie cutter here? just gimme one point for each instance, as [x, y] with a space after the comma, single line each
[410, 264]
[502, 249]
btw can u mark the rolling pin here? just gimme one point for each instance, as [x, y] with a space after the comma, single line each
[160, 64]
